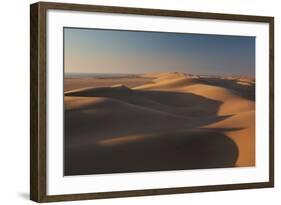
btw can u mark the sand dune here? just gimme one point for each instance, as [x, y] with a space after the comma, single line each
[129, 81]
[167, 121]
[244, 137]
[169, 84]
[231, 102]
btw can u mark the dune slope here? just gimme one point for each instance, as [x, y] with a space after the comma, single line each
[173, 121]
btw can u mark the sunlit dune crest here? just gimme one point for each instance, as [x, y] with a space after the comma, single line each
[120, 140]
[119, 86]
[244, 138]
[244, 83]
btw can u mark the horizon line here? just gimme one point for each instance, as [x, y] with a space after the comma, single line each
[180, 72]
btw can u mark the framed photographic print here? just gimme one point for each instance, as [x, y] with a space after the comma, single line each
[134, 102]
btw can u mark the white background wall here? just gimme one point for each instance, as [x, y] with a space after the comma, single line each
[14, 101]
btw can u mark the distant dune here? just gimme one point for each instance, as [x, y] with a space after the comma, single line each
[158, 121]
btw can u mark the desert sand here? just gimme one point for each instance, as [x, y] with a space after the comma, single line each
[157, 122]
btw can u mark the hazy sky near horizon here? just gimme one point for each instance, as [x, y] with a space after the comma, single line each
[114, 51]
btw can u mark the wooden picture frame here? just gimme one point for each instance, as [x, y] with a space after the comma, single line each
[38, 101]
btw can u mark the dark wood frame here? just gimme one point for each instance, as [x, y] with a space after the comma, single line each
[38, 101]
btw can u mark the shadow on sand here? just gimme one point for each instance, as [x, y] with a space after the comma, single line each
[169, 122]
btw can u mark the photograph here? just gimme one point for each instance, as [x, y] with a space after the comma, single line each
[130, 101]
[144, 101]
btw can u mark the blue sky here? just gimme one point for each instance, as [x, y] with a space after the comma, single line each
[115, 51]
